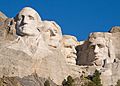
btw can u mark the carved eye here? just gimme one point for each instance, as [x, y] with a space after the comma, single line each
[92, 46]
[30, 17]
[68, 46]
[100, 45]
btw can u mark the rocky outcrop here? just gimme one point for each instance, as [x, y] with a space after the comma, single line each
[31, 48]
[101, 51]
[30, 80]
[69, 44]
[3, 15]
[29, 45]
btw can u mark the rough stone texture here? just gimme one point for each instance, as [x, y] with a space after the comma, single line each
[35, 47]
[115, 29]
[52, 33]
[30, 80]
[2, 15]
[68, 48]
[83, 53]
[29, 45]
[116, 39]
[101, 51]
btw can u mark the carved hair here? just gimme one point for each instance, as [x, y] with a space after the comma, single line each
[29, 9]
[108, 41]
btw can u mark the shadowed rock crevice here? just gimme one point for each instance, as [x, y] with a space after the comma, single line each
[31, 48]
[31, 80]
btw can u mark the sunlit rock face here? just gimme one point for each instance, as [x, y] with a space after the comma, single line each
[27, 21]
[29, 45]
[116, 43]
[102, 49]
[26, 48]
[27, 28]
[116, 39]
[35, 48]
[8, 31]
[69, 51]
[99, 49]
[99, 52]
[51, 33]
[115, 29]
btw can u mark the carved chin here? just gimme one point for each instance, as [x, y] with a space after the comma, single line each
[98, 63]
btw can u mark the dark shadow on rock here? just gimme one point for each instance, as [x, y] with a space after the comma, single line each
[30, 80]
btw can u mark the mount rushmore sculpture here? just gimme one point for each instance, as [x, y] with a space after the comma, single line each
[29, 45]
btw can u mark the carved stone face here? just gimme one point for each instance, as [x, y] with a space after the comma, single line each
[69, 43]
[99, 50]
[27, 21]
[52, 33]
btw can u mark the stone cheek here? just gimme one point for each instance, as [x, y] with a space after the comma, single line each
[27, 22]
[98, 49]
[68, 49]
[39, 46]
[51, 33]
[36, 48]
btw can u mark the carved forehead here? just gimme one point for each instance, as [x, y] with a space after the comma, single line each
[29, 11]
[98, 40]
[69, 40]
[69, 37]
[51, 25]
[100, 37]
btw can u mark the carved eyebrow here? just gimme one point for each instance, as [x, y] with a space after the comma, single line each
[101, 45]
[31, 17]
[68, 46]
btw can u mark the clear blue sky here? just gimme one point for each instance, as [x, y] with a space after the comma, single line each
[76, 17]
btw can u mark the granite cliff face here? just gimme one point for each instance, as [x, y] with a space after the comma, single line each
[101, 51]
[30, 45]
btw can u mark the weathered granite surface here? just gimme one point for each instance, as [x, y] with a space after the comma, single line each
[101, 51]
[30, 45]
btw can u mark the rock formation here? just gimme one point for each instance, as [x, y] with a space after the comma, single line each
[35, 48]
[69, 43]
[30, 45]
[30, 80]
[51, 33]
[101, 51]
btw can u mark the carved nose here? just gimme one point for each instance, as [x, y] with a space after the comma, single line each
[96, 50]
[74, 50]
[25, 20]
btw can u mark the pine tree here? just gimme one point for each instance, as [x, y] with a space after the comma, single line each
[46, 83]
[70, 81]
[96, 78]
[118, 83]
